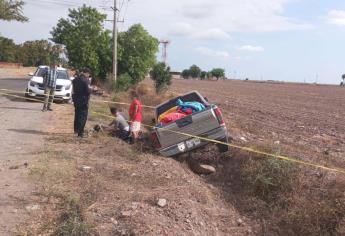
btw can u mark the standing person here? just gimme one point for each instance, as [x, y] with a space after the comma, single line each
[135, 115]
[49, 83]
[81, 97]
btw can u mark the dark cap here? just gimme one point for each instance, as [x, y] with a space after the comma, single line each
[86, 70]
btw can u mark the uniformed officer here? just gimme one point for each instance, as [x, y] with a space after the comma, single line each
[81, 97]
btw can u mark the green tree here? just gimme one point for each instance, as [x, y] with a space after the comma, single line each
[160, 74]
[218, 73]
[185, 74]
[195, 71]
[12, 10]
[203, 75]
[8, 50]
[88, 44]
[35, 53]
[123, 82]
[137, 52]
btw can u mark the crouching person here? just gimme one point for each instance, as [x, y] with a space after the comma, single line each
[120, 125]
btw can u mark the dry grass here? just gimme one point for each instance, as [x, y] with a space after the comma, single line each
[64, 207]
[17, 72]
[285, 198]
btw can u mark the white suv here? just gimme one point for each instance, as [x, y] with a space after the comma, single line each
[63, 89]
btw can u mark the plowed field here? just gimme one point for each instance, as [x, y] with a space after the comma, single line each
[308, 120]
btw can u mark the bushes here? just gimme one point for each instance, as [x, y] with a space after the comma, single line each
[160, 74]
[269, 177]
[289, 200]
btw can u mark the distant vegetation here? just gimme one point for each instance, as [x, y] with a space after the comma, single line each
[195, 72]
[161, 75]
[30, 53]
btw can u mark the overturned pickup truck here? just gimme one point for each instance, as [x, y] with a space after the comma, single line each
[189, 114]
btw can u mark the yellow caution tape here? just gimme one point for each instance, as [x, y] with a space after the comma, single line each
[92, 100]
[285, 158]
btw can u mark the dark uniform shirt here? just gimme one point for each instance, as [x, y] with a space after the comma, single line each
[81, 91]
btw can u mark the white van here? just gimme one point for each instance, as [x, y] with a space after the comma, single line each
[63, 89]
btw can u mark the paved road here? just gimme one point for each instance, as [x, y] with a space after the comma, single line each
[20, 137]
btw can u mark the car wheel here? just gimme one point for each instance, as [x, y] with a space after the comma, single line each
[222, 147]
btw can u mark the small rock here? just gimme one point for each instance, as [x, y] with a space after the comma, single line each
[154, 164]
[277, 142]
[326, 152]
[32, 207]
[26, 164]
[126, 213]
[202, 169]
[162, 202]
[7, 185]
[14, 211]
[240, 222]
[114, 221]
[243, 139]
[85, 168]
[135, 205]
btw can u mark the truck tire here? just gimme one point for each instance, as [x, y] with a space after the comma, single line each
[221, 147]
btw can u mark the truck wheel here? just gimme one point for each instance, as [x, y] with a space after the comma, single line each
[221, 147]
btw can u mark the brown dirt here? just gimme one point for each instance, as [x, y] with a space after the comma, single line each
[119, 195]
[21, 136]
[17, 72]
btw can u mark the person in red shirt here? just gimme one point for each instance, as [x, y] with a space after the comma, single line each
[135, 115]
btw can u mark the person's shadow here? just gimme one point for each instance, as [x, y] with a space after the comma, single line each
[34, 132]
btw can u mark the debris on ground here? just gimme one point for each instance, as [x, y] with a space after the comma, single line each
[161, 202]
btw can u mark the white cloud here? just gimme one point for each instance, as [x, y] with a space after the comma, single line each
[212, 53]
[336, 17]
[217, 19]
[213, 33]
[251, 48]
[187, 30]
[243, 58]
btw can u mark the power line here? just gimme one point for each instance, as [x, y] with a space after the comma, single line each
[61, 3]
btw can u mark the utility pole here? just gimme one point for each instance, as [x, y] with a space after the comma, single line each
[115, 43]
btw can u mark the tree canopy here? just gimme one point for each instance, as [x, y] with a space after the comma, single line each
[195, 71]
[218, 72]
[88, 44]
[185, 74]
[8, 50]
[203, 75]
[30, 53]
[160, 74]
[12, 10]
[137, 52]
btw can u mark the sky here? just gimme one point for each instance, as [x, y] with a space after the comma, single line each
[285, 40]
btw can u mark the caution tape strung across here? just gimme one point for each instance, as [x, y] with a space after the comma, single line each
[247, 149]
[92, 100]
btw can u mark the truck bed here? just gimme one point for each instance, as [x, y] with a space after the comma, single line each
[179, 137]
[194, 124]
